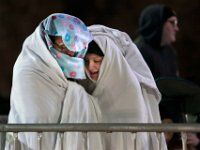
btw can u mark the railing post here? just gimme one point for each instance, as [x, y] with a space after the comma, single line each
[16, 141]
[184, 140]
[159, 140]
[39, 138]
[133, 136]
[86, 135]
[62, 138]
[2, 140]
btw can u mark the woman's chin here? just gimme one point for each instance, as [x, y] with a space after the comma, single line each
[94, 77]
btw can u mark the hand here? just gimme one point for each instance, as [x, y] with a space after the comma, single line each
[192, 139]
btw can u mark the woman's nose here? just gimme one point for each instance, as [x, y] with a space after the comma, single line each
[91, 65]
[70, 53]
[176, 28]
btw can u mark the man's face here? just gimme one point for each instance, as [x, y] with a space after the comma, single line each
[170, 28]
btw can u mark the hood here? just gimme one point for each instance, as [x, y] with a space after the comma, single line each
[151, 23]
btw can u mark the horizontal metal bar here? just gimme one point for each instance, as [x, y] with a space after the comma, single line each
[101, 127]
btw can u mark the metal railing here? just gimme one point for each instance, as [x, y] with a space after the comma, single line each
[183, 128]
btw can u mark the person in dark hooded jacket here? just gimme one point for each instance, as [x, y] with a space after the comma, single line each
[158, 25]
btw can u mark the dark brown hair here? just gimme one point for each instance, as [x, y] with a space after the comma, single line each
[93, 48]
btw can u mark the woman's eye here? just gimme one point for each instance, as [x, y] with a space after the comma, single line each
[97, 61]
[86, 61]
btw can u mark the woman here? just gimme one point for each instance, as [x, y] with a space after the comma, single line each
[44, 90]
[158, 26]
[124, 86]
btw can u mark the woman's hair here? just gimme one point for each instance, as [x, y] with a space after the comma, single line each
[52, 38]
[93, 48]
[167, 13]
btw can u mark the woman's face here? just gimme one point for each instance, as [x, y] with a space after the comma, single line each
[60, 46]
[170, 28]
[93, 64]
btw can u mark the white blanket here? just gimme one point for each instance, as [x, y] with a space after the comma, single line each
[41, 94]
[126, 90]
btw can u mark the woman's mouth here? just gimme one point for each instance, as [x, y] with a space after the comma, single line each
[94, 75]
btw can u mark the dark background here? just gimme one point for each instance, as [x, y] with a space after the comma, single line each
[18, 19]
